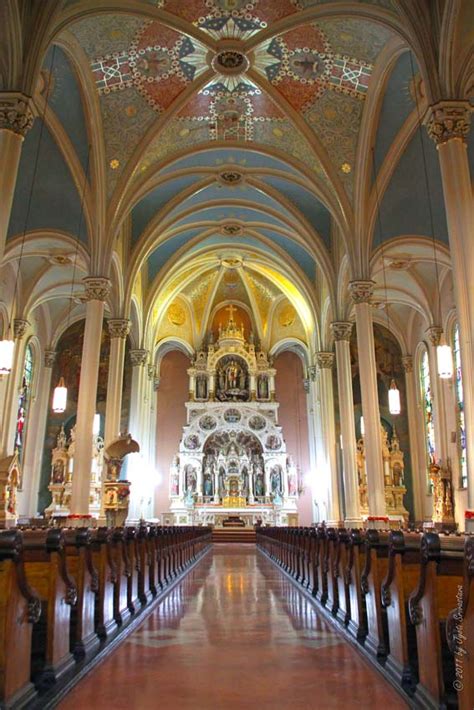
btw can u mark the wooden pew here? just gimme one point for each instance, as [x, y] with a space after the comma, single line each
[45, 564]
[321, 566]
[313, 561]
[102, 559]
[121, 563]
[131, 547]
[358, 615]
[460, 632]
[341, 564]
[20, 608]
[153, 583]
[332, 602]
[84, 639]
[440, 579]
[401, 579]
[374, 570]
[146, 568]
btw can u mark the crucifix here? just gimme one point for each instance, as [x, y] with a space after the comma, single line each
[231, 310]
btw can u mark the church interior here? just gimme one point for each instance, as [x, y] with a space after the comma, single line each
[236, 354]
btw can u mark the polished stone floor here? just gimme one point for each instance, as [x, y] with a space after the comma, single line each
[234, 634]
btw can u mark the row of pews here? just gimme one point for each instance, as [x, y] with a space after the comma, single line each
[406, 597]
[66, 594]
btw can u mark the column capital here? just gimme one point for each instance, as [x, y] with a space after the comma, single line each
[434, 334]
[49, 358]
[138, 357]
[96, 288]
[118, 327]
[361, 290]
[448, 120]
[325, 360]
[15, 113]
[20, 326]
[407, 364]
[341, 329]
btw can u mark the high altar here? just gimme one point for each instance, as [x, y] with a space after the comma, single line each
[232, 457]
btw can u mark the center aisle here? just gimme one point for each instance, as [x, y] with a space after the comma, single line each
[234, 633]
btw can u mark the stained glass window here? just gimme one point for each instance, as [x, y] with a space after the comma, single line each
[461, 437]
[427, 407]
[24, 401]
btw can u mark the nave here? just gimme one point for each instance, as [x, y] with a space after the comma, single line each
[235, 631]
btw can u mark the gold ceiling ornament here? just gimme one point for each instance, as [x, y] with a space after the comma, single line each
[114, 164]
[346, 168]
[176, 314]
[287, 316]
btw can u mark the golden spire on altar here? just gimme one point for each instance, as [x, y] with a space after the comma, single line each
[231, 331]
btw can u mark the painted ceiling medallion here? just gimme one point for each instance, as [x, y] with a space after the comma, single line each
[60, 259]
[230, 61]
[232, 229]
[287, 316]
[176, 314]
[401, 263]
[229, 178]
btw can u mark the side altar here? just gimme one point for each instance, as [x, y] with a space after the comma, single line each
[232, 458]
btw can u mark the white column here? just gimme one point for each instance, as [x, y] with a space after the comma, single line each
[313, 414]
[119, 328]
[413, 427]
[96, 291]
[448, 125]
[13, 384]
[361, 291]
[325, 362]
[37, 417]
[16, 119]
[136, 469]
[341, 331]
[138, 360]
[438, 395]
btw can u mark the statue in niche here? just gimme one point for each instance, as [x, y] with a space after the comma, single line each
[231, 380]
[190, 478]
[292, 484]
[262, 387]
[201, 387]
[207, 484]
[221, 479]
[275, 480]
[259, 485]
[58, 472]
[175, 485]
[245, 484]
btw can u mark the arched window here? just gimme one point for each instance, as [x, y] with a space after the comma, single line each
[427, 408]
[24, 401]
[461, 430]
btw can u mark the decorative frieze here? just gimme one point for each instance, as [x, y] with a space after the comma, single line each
[138, 357]
[448, 120]
[361, 290]
[96, 288]
[407, 363]
[15, 113]
[49, 358]
[118, 327]
[20, 326]
[325, 360]
[341, 330]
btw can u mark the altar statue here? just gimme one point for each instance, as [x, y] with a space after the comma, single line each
[207, 484]
[190, 478]
[275, 480]
[259, 486]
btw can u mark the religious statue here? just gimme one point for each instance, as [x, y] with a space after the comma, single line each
[207, 485]
[262, 387]
[259, 485]
[245, 484]
[201, 387]
[221, 478]
[275, 480]
[443, 504]
[190, 477]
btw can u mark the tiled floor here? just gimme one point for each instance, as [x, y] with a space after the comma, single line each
[234, 634]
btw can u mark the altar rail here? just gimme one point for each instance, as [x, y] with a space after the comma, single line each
[67, 596]
[405, 598]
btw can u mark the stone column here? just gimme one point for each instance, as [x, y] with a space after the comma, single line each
[119, 328]
[361, 291]
[96, 292]
[10, 405]
[325, 362]
[136, 471]
[448, 124]
[437, 392]
[16, 119]
[138, 360]
[413, 427]
[38, 414]
[341, 331]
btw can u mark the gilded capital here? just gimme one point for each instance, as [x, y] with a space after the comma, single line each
[49, 358]
[118, 327]
[15, 113]
[20, 326]
[341, 330]
[96, 288]
[362, 290]
[448, 120]
[325, 360]
[434, 334]
[407, 363]
[138, 357]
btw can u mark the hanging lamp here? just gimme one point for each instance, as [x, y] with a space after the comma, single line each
[394, 403]
[444, 353]
[60, 391]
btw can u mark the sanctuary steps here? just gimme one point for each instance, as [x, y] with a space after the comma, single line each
[234, 535]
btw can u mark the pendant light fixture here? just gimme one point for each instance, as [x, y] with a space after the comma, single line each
[60, 391]
[394, 404]
[444, 353]
[7, 344]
